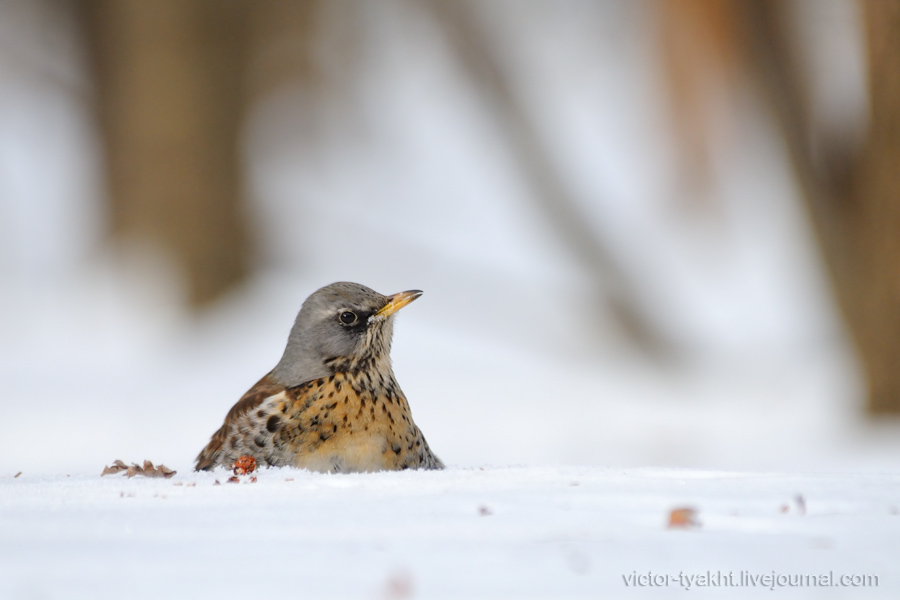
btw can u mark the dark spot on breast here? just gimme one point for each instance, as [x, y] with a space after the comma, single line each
[396, 448]
[320, 382]
[345, 418]
[331, 406]
[260, 414]
[331, 379]
[259, 441]
[334, 429]
[331, 394]
[324, 436]
[273, 423]
[337, 386]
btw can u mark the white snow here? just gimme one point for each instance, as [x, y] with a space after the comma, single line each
[515, 532]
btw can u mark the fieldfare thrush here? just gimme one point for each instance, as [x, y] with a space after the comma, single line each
[332, 404]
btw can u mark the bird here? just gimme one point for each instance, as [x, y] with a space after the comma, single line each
[332, 403]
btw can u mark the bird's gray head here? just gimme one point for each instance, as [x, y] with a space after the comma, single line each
[340, 327]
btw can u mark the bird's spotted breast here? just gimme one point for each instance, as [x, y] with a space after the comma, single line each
[340, 423]
[352, 423]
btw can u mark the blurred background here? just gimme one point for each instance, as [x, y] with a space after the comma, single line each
[650, 232]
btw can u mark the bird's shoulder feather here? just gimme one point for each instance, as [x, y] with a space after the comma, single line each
[263, 389]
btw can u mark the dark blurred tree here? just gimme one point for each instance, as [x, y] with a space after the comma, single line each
[283, 35]
[853, 191]
[169, 96]
[477, 52]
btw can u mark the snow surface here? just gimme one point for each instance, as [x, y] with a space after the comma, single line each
[516, 532]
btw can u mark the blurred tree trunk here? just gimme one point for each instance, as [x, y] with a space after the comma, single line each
[867, 261]
[853, 196]
[282, 39]
[169, 92]
[474, 47]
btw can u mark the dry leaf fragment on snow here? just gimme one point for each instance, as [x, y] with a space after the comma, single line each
[147, 470]
[683, 518]
[117, 466]
[165, 471]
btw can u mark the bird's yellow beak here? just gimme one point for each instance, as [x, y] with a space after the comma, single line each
[395, 303]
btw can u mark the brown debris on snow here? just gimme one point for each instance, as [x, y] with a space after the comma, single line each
[683, 518]
[147, 470]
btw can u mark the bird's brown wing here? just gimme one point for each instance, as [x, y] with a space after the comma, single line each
[264, 388]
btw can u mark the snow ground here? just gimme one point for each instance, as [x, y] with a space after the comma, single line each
[515, 532]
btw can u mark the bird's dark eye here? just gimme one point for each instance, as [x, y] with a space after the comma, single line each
[347, 317]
